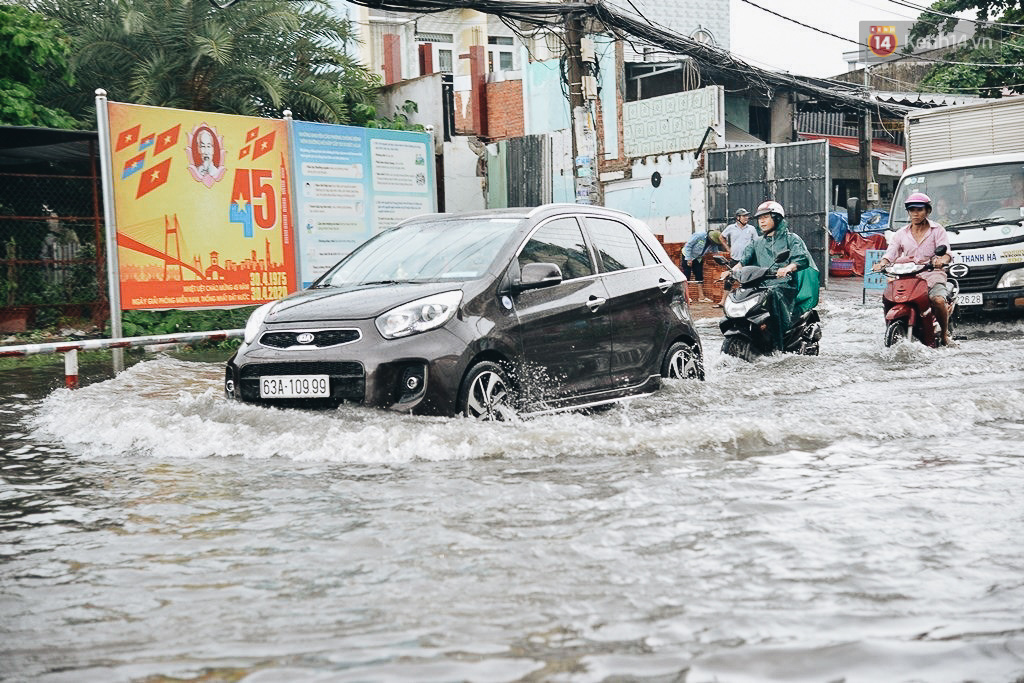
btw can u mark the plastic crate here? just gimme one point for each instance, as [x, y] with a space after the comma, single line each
[840, 267]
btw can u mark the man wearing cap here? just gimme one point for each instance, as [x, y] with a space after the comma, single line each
[739, 234]
[699, 244]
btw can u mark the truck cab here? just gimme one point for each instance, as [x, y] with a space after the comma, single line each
[980, 202]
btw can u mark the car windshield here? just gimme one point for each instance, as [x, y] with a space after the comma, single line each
[458, 249]
[966, 198]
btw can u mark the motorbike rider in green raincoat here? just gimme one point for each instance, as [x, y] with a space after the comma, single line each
[790, 295]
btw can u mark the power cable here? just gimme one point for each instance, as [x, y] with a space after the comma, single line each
[921, 9]
[983, 24]
[850, 40]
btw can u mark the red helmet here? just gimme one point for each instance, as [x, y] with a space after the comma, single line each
[918, 200]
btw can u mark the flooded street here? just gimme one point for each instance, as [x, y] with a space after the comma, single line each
[851, 517]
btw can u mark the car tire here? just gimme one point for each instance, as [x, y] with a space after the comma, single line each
[683, 361]
[487, 393]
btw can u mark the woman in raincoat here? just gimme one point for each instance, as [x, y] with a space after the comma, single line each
[789, 297]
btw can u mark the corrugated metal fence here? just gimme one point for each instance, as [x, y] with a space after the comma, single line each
[795, 174]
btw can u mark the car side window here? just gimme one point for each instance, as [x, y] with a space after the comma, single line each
[616, 244]
[560, 242]
[646, 254]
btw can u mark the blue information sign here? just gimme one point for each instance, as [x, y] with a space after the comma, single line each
[872, 280]
[350, 184]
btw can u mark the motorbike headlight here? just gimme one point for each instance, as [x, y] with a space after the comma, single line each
[1015, 278]
[738, 309]
[418, 316]
[256, 318]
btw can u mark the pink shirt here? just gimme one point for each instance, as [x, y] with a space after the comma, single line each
[904, 247]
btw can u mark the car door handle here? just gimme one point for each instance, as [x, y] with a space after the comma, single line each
[596, 302]
[664, 285]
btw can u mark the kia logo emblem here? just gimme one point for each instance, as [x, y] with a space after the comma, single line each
[305, 338]
[958, 269]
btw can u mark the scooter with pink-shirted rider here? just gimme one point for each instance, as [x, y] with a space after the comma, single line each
[920, 298]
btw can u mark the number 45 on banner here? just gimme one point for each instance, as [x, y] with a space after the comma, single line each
[253, 199]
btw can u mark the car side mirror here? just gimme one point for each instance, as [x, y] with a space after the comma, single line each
[538, 275]
[853, 212]
[782, 256]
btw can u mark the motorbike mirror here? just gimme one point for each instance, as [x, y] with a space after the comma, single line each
[941, 250]
[720, 260]
[853, 211]
[782, 256]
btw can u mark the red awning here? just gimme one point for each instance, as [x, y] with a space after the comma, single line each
[880, 149]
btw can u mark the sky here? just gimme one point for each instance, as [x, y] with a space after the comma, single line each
[766, 41]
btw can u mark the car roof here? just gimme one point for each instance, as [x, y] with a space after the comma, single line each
[522, 212]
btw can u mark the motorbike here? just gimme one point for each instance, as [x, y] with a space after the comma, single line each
[748, 322]
[907, 307]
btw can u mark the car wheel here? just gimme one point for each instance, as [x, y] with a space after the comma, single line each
[487, 394]
[683, 361]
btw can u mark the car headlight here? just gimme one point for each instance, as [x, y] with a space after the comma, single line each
[1015, 278]
[256, 318]
[419, 316]
[738, 309]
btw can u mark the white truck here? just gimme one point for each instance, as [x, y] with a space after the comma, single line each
[970, 160]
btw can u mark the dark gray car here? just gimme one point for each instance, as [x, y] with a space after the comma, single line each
[486, 314]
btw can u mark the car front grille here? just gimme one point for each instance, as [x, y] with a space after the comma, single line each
[348, 381]
[321, 338]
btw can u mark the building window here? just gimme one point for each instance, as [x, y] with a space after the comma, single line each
[499, 54]
[444, 61]
[441, 44]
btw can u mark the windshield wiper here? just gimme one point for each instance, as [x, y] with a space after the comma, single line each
[381, 282]
[981, 223]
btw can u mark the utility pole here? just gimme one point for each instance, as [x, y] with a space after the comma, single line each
[868, 186]
[582, 86]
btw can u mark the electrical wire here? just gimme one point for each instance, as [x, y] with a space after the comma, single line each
[910, 5]
[713, 60]
[850, 40]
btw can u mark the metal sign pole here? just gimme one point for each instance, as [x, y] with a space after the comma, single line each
[110, 221]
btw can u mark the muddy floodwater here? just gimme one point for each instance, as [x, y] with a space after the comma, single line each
[852, 517]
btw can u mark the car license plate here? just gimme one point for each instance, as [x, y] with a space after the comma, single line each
[295, 386]
[969, 299]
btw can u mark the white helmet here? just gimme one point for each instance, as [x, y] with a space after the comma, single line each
[772, 208]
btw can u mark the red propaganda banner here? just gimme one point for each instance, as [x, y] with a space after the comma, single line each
[202, 206]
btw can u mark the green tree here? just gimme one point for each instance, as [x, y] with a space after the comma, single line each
[30, 47]
[993, 43]
[252, 58]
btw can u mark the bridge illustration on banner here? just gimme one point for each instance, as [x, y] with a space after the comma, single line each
[176, 263]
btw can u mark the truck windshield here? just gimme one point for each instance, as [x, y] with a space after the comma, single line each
[964, 198]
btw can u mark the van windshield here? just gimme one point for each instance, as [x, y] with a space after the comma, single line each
[964, 198]
[442, 249]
